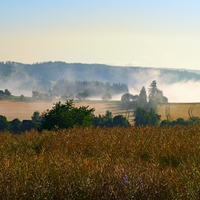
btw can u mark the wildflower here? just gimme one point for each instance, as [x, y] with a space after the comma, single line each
[124, 179]
[142, 180]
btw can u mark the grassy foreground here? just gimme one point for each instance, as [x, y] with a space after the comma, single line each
[116, 163]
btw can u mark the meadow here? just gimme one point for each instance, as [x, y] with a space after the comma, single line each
[101, 163]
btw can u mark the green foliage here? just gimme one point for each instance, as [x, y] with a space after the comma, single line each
[66, 115]
[121, 121]
[108, 120]
[103, 120]
[181, 121]
[16, 126]
[4, 124]
[144, 117]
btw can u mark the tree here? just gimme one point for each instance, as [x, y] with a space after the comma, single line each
[155, 96]
[129, 97]
[129, 101]
[144, 117]
[4, 124]
[153, 89]
[107, 120]
[22, 98]
[16, 126]
[7, 92]
[104, 120]
[36, 116]
[142, 99]
[66, 115]
[121, 121]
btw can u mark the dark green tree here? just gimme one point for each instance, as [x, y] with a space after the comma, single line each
[16, 126]
[180, 121]
[121, 121]
[104, 120]
[4, 124]
[66, 115]
[144, 117]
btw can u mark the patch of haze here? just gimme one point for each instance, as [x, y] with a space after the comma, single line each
[143, 77]
[18, 83]
[181, 91]
[184, 91]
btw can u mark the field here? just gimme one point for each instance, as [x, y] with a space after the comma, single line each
[172, 111]
[101, 163]
[24, 110]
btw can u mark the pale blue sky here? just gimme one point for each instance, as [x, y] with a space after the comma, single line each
[153, 33]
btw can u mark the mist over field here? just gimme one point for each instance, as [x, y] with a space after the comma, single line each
[177, 85]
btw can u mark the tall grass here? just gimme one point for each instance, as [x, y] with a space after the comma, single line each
[101, 163]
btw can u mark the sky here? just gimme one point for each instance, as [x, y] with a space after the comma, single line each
[148, 33]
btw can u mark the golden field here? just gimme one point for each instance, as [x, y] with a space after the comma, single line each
[24, 110]
[136, 163]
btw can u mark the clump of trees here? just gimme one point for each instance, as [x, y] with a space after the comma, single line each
[66, 115]
[6, 94]
[17, 126]
[143, 100]
[181, 121]
[144, 106]
[108, 120]
[146, 117]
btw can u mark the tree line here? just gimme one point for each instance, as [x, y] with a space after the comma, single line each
[63, 116]
[81, 90]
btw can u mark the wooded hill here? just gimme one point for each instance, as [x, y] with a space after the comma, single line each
[18, 76]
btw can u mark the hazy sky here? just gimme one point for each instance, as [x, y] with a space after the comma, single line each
[153, 33]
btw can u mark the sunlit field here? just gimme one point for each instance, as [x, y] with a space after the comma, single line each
[102, 163]
[24, 110]
[171, 111]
